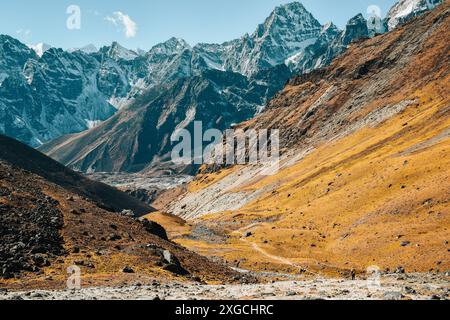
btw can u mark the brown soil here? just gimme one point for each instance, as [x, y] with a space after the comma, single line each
[100, 242]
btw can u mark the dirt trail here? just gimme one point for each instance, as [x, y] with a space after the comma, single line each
[278, 259]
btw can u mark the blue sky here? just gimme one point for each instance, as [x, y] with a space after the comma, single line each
[144, 23]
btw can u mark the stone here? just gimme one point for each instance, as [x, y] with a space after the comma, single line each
[405, 243]
[155, 229]
[176, 269]
[410, 290]
[127, 270]
[114, 237]
[75, 212]
[400, 270]
[393, 295]
[128, 213]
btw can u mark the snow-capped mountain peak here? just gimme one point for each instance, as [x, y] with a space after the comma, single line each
[292, 15]
[40, 48]
[406, 9]
[90, 48]
[329, 29]
[118, 52]
[289, 29]
[171, 46]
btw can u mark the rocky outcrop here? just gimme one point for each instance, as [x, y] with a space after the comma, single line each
[30, 226]
[331, 43]
[404, 10]
[139, 135]
[104, 196]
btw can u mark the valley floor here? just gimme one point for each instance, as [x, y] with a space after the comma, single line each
[392, 287]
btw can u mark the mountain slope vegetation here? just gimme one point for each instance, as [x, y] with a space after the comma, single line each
[364, 174]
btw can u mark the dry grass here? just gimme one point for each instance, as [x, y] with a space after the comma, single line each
[375, 196]
[351, 203]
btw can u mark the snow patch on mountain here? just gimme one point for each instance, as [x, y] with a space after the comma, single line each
[92, 123]
[3, 76]
[90, 48]
[117, 52]
[294, 58]
[407, 9]
[40, 48]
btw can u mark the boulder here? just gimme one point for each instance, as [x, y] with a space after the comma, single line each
[127, 269]
[155, 229]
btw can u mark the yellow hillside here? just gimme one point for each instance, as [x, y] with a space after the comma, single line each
[377, 197]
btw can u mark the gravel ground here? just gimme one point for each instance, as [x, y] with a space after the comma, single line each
[393, 287]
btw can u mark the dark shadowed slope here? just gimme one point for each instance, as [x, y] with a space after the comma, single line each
[46, 228]
[24, 157]
[138, 137]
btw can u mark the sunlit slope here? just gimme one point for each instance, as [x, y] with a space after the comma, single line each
[365, 171]
[378, 197]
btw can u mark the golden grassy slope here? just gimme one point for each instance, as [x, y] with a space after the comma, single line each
[376, 196]
[351, 203]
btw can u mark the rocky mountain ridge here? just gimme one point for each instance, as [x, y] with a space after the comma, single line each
[58, 92]
[64, 92]
[233, 96]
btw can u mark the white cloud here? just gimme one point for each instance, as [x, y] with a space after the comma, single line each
[24, 33]
[124, 22]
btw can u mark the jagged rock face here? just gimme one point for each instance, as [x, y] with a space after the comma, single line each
[404, 10]
[331, 43]
[117, 52]
[287, 31]
[139, 135]
[90, 48]
[312, 57]
[356, 28]
[40, 48]
[44, 98]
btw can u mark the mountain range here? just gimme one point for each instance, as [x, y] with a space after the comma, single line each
[363, 176]
[361, 185]
[52, 93]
